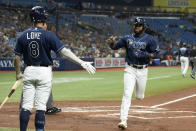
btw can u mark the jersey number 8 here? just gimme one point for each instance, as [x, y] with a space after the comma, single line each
[34, 49]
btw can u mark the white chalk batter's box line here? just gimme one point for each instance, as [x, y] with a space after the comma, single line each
[136, 111]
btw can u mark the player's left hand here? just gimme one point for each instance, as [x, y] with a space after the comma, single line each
[19, 76]
[88, 67]
[112, 39]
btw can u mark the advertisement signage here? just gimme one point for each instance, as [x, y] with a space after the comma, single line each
[109, 62]
[175, 3]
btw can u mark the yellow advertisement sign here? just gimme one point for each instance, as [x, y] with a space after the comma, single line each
[175, 3]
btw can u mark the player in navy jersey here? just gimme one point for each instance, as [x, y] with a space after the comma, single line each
[184, 54]
[139, 48]
[35, 45]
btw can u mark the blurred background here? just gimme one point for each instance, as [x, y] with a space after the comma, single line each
[85, 25]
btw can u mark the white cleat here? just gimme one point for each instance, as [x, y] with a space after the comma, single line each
[122, 125]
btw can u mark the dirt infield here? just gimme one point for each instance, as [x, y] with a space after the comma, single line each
[175, 111]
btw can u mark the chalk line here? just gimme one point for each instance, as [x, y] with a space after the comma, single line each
[177, 100]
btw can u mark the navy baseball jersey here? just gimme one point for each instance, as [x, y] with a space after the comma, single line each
[184, 52]
[35, 44]
[138, 49]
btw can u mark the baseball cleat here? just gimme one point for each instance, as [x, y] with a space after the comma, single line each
[52, 111]
[192, 76]
[122, 125]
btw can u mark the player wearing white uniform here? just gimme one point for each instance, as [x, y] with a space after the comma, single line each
[35, 45]
[139, 48]
[184, 54]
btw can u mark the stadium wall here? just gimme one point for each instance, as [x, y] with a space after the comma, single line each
[6, 64]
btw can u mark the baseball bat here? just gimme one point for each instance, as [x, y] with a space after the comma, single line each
[16, 85]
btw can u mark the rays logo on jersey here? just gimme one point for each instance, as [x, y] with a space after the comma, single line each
[139, 45]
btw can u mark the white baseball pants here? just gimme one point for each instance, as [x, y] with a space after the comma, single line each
[184, 64]
[37, 84]
[133, 78]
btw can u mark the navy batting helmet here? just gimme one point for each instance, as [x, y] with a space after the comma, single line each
[139, 20]
[38, 14]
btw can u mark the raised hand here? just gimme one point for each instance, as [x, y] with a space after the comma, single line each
[88, 67]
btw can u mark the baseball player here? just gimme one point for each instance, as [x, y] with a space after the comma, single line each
[193, 61]
[35, 45]
[184, 54]
[139, 48]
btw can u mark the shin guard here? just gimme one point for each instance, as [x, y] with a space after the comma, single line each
[40, 120]
[24, 119]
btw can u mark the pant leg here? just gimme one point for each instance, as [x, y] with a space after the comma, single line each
[191, 63]
[182, 64]
[43, 88]
[28, 95]
[194, 66]
[129, 84]
[27, 98]
[194, 70]
[186, 65]
[50, 101]
[48, 105]
[21, 100]
[141, 80]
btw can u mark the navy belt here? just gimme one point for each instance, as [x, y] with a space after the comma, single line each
[138, 66]
[40, 65]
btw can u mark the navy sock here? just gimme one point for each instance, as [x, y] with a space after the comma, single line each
[40, 120]
[24, 119]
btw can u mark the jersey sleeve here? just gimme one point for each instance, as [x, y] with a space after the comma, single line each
[18, 48]
[118, 44]
[55, 43]
[152, 46]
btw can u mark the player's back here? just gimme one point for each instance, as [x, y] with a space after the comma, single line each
[184, 52]
[36, 44]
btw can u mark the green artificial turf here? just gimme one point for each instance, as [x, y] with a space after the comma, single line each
[103, 86]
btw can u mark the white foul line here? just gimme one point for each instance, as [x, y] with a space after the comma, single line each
[158, 77]
[166, 103]
[170, 117]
